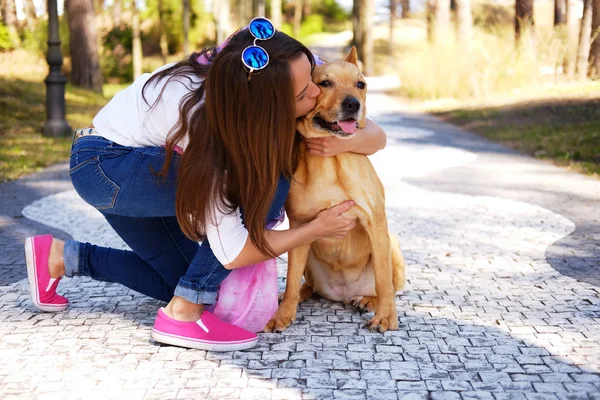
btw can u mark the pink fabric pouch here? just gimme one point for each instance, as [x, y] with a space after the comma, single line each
[248, 297]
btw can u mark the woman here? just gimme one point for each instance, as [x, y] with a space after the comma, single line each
[231, 121]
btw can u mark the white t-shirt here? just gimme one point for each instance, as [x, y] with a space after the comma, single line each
[129, 120]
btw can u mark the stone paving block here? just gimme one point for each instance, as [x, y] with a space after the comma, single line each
[483, 314]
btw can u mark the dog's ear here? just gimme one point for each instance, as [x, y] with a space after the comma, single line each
[352, 56]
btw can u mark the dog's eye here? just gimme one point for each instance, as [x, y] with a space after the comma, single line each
[360, 85]
[325, 83]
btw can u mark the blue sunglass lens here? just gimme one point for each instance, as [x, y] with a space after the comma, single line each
[262, 28]
[255, 57]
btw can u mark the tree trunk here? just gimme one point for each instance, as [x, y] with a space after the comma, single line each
[393, 7]
[9, 13]
[585, 34]
[307, 9]
[276, 13]
[223, 19]
[297, 17]
[85, 65]
[464, 23]
[560, 9]
[594, 71]
[137, 40]
[164, 45]
[363, 38]
[186, 27]
[117, 9]
[356, 21]
[438, 17]
[524, 24]
[258, 8]
[30, 14]
[405, 9]
[572, 29]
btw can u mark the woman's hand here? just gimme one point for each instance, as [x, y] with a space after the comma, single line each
[331, 224]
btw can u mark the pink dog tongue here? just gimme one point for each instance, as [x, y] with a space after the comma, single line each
[348, 126]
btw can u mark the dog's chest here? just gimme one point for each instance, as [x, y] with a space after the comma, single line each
[313, 191]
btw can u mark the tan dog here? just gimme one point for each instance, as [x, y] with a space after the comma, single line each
[366, 267]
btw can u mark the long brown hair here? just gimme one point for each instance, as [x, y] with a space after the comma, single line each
[241, 139]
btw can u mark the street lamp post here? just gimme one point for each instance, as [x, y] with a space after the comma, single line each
[55, 125]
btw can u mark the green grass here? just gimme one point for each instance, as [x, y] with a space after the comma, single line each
[563, 130]
[23, 149]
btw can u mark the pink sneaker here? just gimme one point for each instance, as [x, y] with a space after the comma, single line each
[41, 286]
[208, 333]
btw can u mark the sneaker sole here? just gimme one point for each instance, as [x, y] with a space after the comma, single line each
[32, 277]
[180, 341]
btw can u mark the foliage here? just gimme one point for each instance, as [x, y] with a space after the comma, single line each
[6, 42]
[331, 11]
[37, 39]
[116, 60]
[491, 16]
[22, 113]
[314, 23]
[493, 65]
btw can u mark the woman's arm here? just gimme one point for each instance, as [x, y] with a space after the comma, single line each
[367, 140]
[328, 224]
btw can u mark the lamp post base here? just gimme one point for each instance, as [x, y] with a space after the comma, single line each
[58, 128]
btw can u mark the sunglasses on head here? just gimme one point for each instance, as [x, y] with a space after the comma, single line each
[255, 57]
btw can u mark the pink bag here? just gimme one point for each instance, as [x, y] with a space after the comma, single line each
[248, 297]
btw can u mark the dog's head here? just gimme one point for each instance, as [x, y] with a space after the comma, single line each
[340, 108]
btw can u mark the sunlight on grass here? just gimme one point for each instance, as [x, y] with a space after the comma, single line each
[23, 149]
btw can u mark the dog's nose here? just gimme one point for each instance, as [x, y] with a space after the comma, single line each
[351, 104]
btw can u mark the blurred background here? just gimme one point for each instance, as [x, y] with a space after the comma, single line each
[524, 73]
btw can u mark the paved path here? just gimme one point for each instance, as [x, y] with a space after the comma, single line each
[502, 300]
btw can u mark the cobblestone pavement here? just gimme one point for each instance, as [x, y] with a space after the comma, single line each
[484, 314]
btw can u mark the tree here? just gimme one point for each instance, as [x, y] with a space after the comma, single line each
[164, 45]
[594, 71]
[276, 13]
[258, 8]
[117, 9]
[464, 23]
[307, 9]
[438, 18]
[363, 40]
[405, 8]
[560, 9]
[30, 16]
[298, 5]
[85, 65]
[136, 40]
[524, 24]
[393, 7]
[186, 26]
[222, 16]
[583, 50]
[9, 14]
[572, 29]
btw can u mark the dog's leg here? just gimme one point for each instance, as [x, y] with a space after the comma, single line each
[398, 264]
[369, 303]
[386, 316]
[286, 313]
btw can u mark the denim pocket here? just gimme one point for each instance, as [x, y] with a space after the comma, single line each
[92, 184]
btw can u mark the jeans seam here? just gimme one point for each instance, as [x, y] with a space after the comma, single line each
[102, 175]
[174, 241]
[215, 265]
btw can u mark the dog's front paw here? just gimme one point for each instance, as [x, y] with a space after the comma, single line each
[385, 319]
[284, 316]
[364, 303]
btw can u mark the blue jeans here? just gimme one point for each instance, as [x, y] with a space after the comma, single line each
[120, 183]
